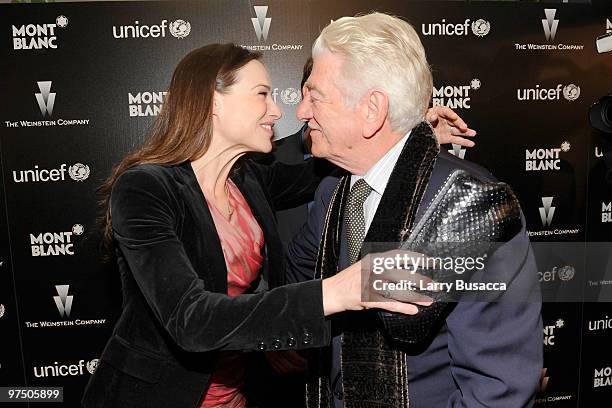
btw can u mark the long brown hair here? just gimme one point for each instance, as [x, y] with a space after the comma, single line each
[183, 129]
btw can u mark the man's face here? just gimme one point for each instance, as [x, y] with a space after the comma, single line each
[334, 127]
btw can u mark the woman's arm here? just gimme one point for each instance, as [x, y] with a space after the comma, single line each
[144, 219]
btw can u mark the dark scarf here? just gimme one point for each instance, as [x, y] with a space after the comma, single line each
[373, 373]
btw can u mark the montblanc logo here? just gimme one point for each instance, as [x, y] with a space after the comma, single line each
[46, 103]
[606, 211]
[37, 36]
[602, 377]
[545, 159]
[570, 92]
[177, 28]
[601, 324]
[289, 96]
[549, 332]
[261, 26]
[550, 24]
[55, 243]
[479, 28]
[457, 151]
[455, 96]
[2, 310]
[261, 23]
[78, 172]
[66, 370]
[63, 301]
[148, 103]
[608, 26]
[45, 98]
[547, 211]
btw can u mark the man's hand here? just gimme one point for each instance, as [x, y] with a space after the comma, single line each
[449, 127]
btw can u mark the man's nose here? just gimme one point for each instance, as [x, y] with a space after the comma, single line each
[304, 109]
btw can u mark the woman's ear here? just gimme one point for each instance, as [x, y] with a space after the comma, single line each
[217, 107]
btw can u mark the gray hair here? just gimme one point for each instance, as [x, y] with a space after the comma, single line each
[380, 52]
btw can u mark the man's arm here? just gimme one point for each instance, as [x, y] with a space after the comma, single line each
[496, 347]
[303, 249]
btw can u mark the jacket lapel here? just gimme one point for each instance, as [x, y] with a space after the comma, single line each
[396, 211]
[206, 247]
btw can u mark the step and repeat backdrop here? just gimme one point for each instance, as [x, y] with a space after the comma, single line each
[81, 84]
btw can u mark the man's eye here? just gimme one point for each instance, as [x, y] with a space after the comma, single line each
[264, 93]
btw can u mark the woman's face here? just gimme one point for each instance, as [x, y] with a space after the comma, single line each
[244, 116]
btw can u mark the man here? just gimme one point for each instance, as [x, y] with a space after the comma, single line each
[364, 103]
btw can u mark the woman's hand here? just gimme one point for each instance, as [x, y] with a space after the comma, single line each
[449, 127]
[347, 291]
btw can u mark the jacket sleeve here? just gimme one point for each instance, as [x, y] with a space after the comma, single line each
[291, 185]
[496, 347]
[145, 216]
[303, 248]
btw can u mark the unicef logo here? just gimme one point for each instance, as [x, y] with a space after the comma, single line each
[61, 21]
[78, 171]
[481, 27]
[290, 96]
[571, 92]
[78, 229]
[92, 365]
[180, 28]
[566, 272]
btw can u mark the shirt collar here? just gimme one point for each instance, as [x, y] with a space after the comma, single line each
[378, 175]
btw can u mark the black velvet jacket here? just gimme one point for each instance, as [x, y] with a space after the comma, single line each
[176, 312]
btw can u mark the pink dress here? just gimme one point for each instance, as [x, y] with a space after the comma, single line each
[241, 240]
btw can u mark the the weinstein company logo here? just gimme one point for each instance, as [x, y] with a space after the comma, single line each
[457, 151]
[261, 23]
[261, 26]
[550, 24]
[45, 98]
[547, 211]
[46, 103]
[63, 301]
[37, 36]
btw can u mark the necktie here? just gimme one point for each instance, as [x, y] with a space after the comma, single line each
[355, 219]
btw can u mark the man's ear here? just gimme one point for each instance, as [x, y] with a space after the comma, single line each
[376, 111]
